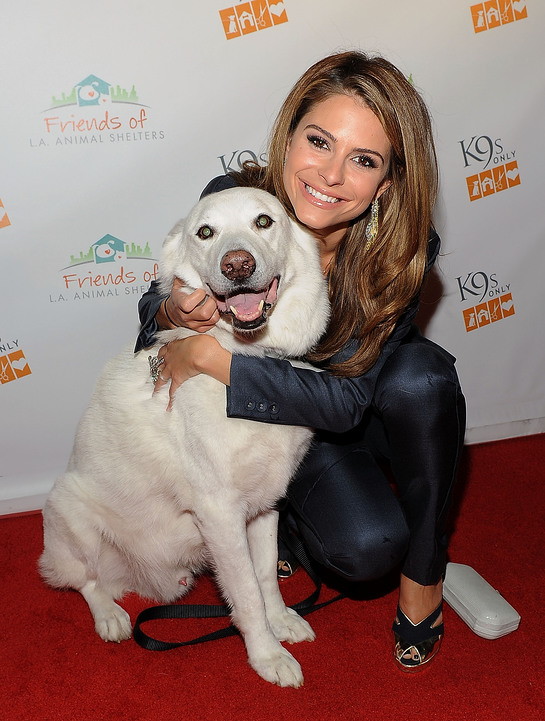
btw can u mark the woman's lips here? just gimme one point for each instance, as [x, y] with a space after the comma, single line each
[319, 198]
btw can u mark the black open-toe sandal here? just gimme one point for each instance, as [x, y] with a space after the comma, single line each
[416, 644]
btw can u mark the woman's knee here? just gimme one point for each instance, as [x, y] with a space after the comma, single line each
[418, 372]
[363, 556]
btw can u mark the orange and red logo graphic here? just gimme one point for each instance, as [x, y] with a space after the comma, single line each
[4, 220]
[494, 13]
[488, 182]
[489, 312]
[13, 365]
[249, 17]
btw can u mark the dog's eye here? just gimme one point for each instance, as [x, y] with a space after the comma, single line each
[263, 221]
[205, 232]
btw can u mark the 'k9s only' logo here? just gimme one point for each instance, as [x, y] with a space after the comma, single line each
[248, 17]
[491, 301]
[13, 364]
[494, 13]
[498, 167]
[4, 220]
[235, 160]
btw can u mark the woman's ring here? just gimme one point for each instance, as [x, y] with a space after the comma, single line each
[154, 364]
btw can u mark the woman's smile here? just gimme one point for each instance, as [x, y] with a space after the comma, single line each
[320, 197]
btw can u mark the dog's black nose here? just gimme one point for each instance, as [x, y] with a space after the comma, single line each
[237, 264]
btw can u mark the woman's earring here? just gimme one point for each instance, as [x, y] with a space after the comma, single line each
[371, 229]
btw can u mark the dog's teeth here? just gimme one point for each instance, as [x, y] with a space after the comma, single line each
[262, 303]
[233, 310]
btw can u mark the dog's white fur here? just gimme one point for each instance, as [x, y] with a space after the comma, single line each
[151, 498]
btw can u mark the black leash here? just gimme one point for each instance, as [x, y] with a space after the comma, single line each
[175, 611]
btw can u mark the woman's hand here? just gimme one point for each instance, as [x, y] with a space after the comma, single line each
[197, 311]
[186, 358]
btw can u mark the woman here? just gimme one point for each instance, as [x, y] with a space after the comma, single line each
[352, 159]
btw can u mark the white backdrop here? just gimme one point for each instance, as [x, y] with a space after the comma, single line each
[116, 114]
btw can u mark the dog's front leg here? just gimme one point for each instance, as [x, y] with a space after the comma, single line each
[287, 624]
[225, 535]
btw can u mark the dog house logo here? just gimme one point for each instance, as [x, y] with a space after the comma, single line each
[110, 249]
[249, 17]
[4, 220]
[13, 364]
[95, 112]
[494, 13]
[93, 91]
[499, 169]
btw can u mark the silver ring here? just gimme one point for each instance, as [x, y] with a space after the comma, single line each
[154, 364]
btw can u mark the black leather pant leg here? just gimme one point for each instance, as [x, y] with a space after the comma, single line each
[420, 410]
[346, 512]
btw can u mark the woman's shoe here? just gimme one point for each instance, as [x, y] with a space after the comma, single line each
[416, 644]
[285, 570]
[287, 562]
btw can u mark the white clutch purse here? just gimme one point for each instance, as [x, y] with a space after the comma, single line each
[483, 608]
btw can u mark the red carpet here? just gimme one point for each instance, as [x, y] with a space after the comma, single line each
[54, 667]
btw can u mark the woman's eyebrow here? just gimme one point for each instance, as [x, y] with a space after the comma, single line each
[334, 140]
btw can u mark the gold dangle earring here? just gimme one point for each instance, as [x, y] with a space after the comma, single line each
[371, 229]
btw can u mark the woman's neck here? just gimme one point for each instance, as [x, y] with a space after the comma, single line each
[328, 244]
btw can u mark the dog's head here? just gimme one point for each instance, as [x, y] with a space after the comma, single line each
[262, 269]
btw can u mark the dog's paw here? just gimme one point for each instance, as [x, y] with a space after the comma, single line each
[290, 627]
[114, 625]
[279, 668]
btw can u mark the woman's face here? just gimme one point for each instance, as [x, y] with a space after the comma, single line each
[336, 164]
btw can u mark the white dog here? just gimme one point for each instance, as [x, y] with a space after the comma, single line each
[151, 498]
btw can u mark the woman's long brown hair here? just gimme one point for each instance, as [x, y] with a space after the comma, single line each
[369, 288]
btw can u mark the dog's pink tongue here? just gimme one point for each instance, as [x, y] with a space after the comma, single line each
[247, 306]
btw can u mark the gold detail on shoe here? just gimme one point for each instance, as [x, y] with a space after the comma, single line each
[412, 658]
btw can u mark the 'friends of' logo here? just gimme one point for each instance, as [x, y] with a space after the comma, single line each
[13, 364]
[499, 171]
[491, 301]
[112, 272]
[94, 112]
[249, 17]
[494, 13]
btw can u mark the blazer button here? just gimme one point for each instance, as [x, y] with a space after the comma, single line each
[250, 405]
[262, 407]
[273, 408]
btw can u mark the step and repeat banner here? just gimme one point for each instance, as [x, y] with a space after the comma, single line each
[116, 114]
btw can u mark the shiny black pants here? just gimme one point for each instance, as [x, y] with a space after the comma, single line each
[349, 517]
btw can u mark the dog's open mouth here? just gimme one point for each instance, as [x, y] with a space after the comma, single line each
[248, 307]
